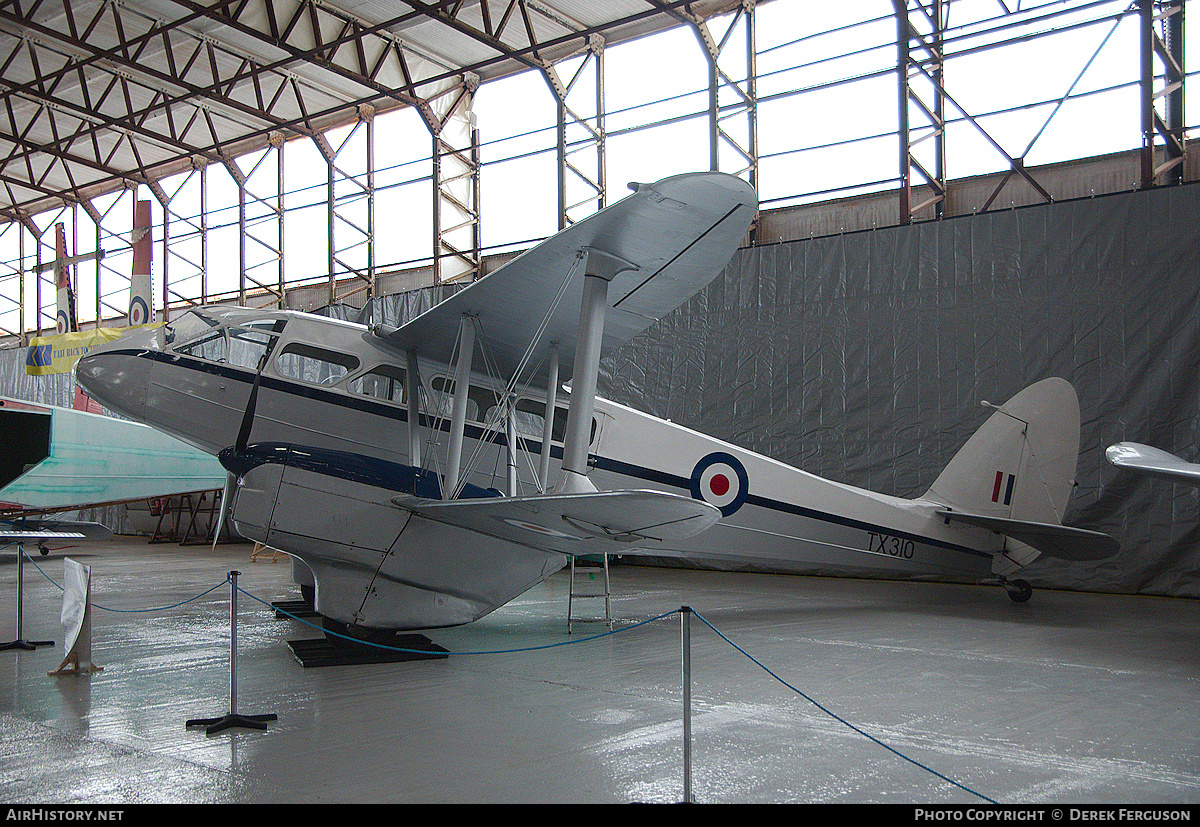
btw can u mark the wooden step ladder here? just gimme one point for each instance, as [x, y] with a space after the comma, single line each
[576, 594]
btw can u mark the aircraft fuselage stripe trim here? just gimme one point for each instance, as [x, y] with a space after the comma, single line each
[362, 403]
[604, 463]
[651, 475]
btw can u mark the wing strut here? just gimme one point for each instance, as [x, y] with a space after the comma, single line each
[458, 415]
[412, 392]
[600, 269]
[548, 419]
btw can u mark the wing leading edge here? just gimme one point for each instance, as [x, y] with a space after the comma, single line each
[1153, 462]
[575, 524]
[669, 240]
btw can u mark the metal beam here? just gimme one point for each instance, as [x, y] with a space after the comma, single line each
[1162, 41]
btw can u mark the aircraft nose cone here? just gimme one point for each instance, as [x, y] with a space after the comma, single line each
[114, 375]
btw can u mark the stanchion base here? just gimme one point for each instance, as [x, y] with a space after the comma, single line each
[27, 645]
[232, 720]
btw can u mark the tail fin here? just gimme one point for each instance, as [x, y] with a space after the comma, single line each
[1020, 464]
[1015, 476]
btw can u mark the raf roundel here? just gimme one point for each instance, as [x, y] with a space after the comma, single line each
[720, 480]
[139, 313]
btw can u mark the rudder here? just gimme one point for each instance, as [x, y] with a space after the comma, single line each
[1020, 464]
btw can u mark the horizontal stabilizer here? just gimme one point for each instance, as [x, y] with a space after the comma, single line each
[1051, 539]
[576, 524]
[1153, 461]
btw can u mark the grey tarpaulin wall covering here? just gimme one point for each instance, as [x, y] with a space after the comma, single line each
[864, 358]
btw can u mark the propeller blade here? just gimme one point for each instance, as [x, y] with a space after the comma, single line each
[243, 436]
[230, 481]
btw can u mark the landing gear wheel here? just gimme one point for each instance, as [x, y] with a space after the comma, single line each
[1019, 591]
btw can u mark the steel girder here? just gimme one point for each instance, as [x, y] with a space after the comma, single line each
[104, 94]
[921, 73]
[580, 134]
[1162, 41]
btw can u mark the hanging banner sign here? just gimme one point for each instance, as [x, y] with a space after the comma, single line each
[58, 354]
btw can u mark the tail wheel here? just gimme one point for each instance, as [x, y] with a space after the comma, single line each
[1019, 591]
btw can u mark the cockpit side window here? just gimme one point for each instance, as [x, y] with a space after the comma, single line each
[213, 347]
[317, 365]
[189, 326]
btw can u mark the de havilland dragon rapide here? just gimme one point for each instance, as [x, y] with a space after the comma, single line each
[428, 474]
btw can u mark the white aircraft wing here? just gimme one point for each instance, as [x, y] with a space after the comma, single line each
[1053, 540]
[673, 238]
[576, 524]
[1153, 461]
[22, 529]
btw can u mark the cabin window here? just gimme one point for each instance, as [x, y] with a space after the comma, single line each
[478, 399]
[384, 382]
[309, 363]
[212, 347]
[249, 345]
[531, 418]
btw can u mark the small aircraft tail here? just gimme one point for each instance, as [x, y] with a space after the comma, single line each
[1015, 476]
[1020, 464]
[140, 302]
[62, 283]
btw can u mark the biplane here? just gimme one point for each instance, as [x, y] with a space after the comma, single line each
[428, 473]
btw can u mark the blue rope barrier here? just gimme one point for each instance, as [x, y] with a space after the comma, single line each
[123, 611]
[837, 717]
[479, 652]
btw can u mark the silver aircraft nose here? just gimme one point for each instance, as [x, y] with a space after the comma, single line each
[115, 373]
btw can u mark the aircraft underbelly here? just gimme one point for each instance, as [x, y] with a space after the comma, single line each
[378, 565]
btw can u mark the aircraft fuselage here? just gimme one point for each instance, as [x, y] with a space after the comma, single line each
[335, 390]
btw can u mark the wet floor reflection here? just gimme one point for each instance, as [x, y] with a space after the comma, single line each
[956, 676]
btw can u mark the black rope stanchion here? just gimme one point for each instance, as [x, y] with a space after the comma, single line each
[20, 642]
[685, 645]
[233, 719]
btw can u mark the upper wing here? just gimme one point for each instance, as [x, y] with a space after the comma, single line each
[1153, 461]
[676, 236]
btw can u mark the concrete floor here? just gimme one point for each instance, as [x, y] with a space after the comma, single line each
[1070, 698]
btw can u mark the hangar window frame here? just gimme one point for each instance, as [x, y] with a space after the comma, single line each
[242, 213]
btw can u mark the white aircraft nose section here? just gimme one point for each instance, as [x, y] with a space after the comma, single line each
[115, 375]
